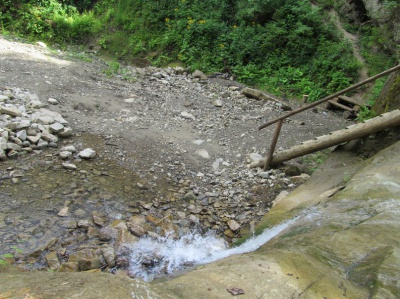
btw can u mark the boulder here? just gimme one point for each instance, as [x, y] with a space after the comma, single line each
[137, 225]
[109, 256]
[87, 153]
[87, 259]
[259, 95]
[12, 111]
[56, 128]
[199, 74]
[67, 132]
[233, 225]
[52, 260]
[99, 219]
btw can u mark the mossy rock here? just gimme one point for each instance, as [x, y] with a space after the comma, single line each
[389, 98]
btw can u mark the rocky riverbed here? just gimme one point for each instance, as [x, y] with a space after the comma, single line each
[92, 162]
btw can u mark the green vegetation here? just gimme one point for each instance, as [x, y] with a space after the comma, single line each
[285, 47]
[346, 177]
[365, 113]
[50, 20]
[313, 161]
[289, 48]
[5, 256]
[113, 68]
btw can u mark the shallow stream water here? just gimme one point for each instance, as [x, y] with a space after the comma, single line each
[30, 203]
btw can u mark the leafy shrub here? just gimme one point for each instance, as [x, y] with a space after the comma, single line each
[77, 28]
[283, 46]
[49, 20]
[286, 47]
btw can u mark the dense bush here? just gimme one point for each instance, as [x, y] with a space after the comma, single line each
[286, 47]
[52, 20]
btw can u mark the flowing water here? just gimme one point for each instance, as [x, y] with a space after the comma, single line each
[153, 257]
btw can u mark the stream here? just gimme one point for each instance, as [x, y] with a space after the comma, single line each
[151, 258]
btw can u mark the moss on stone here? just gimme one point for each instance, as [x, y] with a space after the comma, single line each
[365, 271]
[389, 98]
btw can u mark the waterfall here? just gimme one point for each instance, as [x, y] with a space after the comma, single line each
[154, 257]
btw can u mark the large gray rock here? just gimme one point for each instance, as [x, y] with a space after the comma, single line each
[56, 128]
[87, 153]
[42, 144]
[68, 148]
[199, 74]
[4, 98]
[67, 132]
[55, 115]
[44, 120]
[3, 155]
[21, 135]
[13, 146]
[33, 139]
[3, 143]
[259, 95]
[49, 137]
[12, 111]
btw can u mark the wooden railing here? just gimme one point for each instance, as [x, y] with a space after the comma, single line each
[279, 120]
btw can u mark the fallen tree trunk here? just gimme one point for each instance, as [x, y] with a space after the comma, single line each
[371, 126]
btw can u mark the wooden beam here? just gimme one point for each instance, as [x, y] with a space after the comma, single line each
[341, 106]
[352, 101]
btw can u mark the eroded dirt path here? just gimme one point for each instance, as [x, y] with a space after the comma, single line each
[353, 39]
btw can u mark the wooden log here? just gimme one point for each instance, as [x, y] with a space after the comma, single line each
[341, 106]
[351, 101]
[374, 125]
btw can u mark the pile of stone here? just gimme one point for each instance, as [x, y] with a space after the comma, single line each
[26, 124]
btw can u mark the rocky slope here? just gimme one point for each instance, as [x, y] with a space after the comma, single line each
[165, 151]
[343, 242]
[171, 150]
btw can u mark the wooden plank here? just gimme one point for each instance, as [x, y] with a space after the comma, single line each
[341, 106]
[351, 101]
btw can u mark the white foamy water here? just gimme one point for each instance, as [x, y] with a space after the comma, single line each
[152, 258]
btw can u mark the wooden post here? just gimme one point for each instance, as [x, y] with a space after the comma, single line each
[270, 153]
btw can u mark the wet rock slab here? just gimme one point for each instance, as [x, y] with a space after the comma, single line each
[340, 246]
